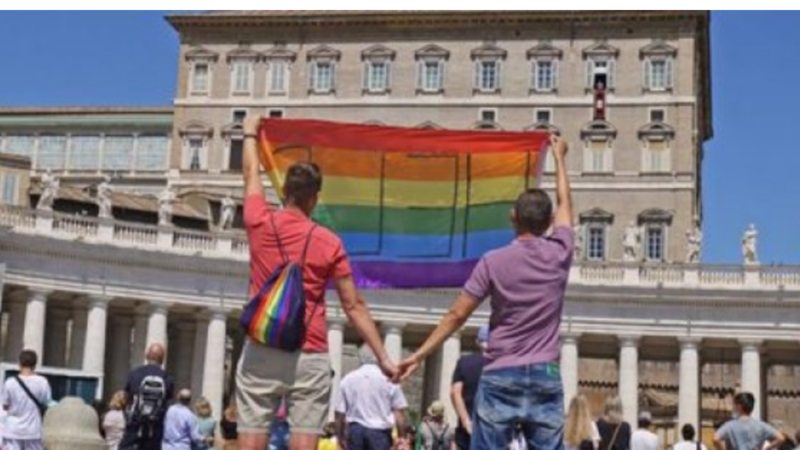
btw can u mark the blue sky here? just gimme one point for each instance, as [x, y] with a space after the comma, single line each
[752, 165]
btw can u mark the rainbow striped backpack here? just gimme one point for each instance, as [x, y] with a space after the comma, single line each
[275, 316]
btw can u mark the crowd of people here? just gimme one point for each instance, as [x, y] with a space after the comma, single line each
[508, 395]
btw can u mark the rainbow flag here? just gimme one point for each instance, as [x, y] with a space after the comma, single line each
[415, 207]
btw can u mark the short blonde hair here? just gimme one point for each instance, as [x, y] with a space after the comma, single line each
[613, 410]
[118, 400]
[202, 407]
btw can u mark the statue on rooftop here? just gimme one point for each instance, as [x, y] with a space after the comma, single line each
[580, 239]
[227, 213]
[166, 202]
[50, 185]
[104, 192]
[631, 242]
[749, 245]
[694, 243]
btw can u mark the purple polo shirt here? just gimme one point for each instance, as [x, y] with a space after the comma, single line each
[526, 281]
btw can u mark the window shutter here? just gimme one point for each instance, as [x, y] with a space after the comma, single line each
[440, 79]
[312, 76]
[420, 75]
[589, 74]
[612, 67]
[498, 78]
[332, 87]
[388, 85]
[608, 158]
[668, 75]
[555, 75]
[647, 74]
[477, 80]
[534, 75]
[366, 80]
[646, 156]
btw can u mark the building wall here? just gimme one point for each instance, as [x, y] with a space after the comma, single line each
[14, 179]
[675, 189]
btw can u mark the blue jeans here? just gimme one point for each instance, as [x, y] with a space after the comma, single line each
[360, 437]
[529, 397]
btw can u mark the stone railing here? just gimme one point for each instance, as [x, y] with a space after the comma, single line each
[234, 245]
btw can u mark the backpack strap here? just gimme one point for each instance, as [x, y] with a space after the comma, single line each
[33, 398]
[278, 239]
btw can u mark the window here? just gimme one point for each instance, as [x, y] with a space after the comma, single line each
[658, 74]
[241, 77]
[200, 78]
[238, 116]
[487, 115]
[85, 153]
[278, 76]
[487, 76]
[151, 153]
[195, 151]
[600, 73]
[542, 116]
[658, 115]
[656, 156]
[376, 77]
[10, 181]
[275, 113]
[322, 77]
[597, 156]
[52, 149]
[117, 153]
[595, 242]
[431, 76]
[549, 163]
[654, 238]
[235, 154]
[545, 75]
[19, 144]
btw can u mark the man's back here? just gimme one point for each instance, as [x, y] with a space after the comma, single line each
[133, 390]
[468, 372]
[180, 428]
[368, 398]
[643, 439]
[24, 420]
[526, 281]
[268, 231]
[747, 433]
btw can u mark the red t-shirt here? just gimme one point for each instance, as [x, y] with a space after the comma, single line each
[325, 259]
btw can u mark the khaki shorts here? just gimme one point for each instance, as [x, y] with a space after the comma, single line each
[265, 375]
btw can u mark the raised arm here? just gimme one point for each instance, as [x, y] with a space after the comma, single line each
[559, 149]
[357, 312]
[251, 166]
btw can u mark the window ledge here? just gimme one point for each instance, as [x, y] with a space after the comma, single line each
[241, 94]
[648, 90]
[608, 174]
[322, 93]
[476, 91]
[534, 91]
[373, 93]
[278, 94]
[430, 92]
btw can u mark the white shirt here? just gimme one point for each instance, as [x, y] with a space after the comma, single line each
[642, 439]
[368, 398]
[23, 419]
[688, 445]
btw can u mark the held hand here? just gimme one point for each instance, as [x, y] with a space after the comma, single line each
[250, 125]
[388, 368]
[407, 367]
[558, 147]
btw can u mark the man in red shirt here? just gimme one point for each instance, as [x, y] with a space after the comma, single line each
[264, 375]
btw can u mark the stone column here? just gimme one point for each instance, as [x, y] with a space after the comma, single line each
[121, 352]
[629, 377]
[199, 352]
[569, 365]
[157, 325]
[35, 310]
[16, 326]
[214, 369]
[451, 352]
[94, 347]
[751, 371]
[182, 350]
[78, 336]
[689, 387]
[393, 339]
[139, 336]
[335, 347]
[55, 338]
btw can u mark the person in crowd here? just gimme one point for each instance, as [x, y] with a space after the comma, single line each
[263, 373]
[580, 431]
[148, 390]
[329, 441]
[25, 398]
[465, 385]
[227, 428]
[404, 438]
[615, 433]
[644, 438]
[526, 280]
[114, 420]
[745, 432]
[180, 426]
[434, 431]
[689, 443]
[205, 423]
[368, 406]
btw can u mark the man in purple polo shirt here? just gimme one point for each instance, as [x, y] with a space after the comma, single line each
[521, 383]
